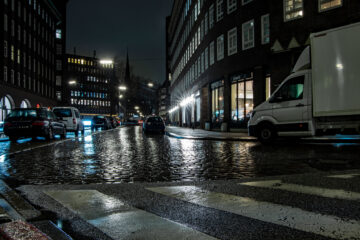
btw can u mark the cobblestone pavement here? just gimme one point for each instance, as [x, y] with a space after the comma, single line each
[127, 155]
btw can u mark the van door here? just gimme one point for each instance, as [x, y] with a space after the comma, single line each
[290, 105]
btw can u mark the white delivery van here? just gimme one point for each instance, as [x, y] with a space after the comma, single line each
[70, 116]
[321, 96]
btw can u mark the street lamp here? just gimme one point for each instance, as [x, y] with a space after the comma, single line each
[122, 88]
[137, 108]
[150, 85]
[72, 82]
[121, 96]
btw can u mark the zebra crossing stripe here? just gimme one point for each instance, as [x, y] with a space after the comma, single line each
[296, 218]
[345, 176]
[120, 221]
[317, 191]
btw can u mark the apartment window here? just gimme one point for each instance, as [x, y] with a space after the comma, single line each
[245, 2]
[18, 56]
[5, 74]
[12, 76]
[19, 9]
[13, 5]
[231, 6]
[248, 40]
[5, 23]
[58, 65]
[13, 28]
[24, 59]
[58, 49]
[232, 41]
[206, 58]
[58, 34]
[265, 29]
[202, 29]
[202, 62]
[219, 10]
[206, 22]
[325, 5]
[211, 16]
[12, 53]
[212, 53]
[220, 47]
[18, 75]
[293, 9]
[5, 2]
[5, 49]
[19, 33]
[24, 14]
[24, 36]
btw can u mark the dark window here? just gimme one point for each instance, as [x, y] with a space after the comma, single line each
[62, 112]
[154, 119]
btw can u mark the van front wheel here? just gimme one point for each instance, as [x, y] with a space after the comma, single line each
[266, 133]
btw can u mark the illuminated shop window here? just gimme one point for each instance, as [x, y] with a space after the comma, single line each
[293, 9]
[325, 5]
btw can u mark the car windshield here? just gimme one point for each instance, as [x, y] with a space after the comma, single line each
[62, 112]
[23, 113]
[154, 119]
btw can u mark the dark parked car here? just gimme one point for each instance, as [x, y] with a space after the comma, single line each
[154, 124]
[113, 122]
[100, 122]
[33, 122]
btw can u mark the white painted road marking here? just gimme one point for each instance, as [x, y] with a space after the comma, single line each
[317, 191]
[345, 176]
[296, 218]
[121, 221]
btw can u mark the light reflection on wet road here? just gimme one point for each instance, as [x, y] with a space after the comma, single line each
[126, 155]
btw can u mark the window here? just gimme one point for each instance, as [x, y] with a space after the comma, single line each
[231, 6]
[206, 22]
[19, 33]
[13, 5]
[248, 35]
[12, 76]
[293, 9]
[265, 29]
[220, 48]
[241, 97]
[19, 9]
[202, 62]
[212, 53]
[325, 5]
[245, 2]
[211, 16]
[232, 41]
[206, 58]
[12, 53]
[219, 10]
[58, 34]
[18, 56]
[58, 80]
[5, 23]
[13, 28]
[217, 101]
[5, 74]
[292, 90]
[5, 49]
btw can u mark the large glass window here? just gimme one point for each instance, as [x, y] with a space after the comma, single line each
[219, 10]
[248, 35]
[217, 101]
[211, 16]
[293, 9]
[325, 5]
[241, 97]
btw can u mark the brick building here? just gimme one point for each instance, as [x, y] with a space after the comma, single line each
[227, 56]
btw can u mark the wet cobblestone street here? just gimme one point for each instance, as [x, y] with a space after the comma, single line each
[127, 155]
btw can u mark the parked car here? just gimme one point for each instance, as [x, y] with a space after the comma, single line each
[113, 122]
[100, 122]
[71, 118]
[33, 122]
[154, 124]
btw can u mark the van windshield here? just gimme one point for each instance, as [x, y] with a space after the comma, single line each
[62, 112]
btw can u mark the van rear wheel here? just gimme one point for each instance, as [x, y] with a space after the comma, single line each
[266, 133]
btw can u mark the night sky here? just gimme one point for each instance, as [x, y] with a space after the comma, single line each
[110, 26]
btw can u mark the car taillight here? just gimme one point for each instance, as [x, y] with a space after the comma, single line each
[38, 123]
[7, 124]
[74, 121]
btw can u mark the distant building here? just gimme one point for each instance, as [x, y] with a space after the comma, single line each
[226, 56]
[90, 85]
[164, 101]
[32, 43]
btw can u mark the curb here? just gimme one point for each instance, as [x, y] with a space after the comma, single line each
[243, 139]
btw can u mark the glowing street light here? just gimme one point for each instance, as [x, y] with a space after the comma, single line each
[137, 108]
[150, 84]
[122, 88]
[121, 96]
[72, 82]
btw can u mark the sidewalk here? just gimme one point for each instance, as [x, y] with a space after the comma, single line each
[199, 134]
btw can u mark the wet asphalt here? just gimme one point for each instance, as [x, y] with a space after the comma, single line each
[127, 155]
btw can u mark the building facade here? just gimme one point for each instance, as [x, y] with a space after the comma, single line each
[90, 85]
[28, 52]
[227, 56]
